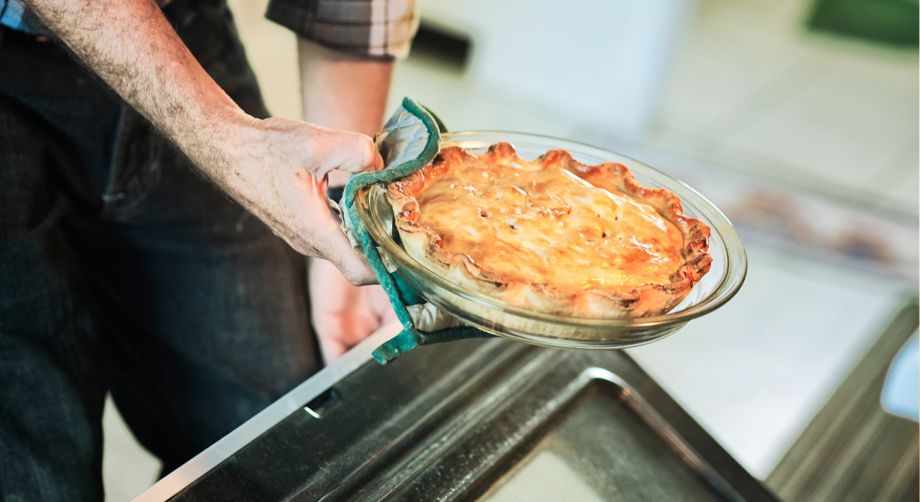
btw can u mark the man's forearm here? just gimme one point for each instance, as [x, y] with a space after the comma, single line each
[272, 167]
[342, 92]
[130, 45]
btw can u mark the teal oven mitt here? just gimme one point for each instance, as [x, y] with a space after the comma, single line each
[409, 140]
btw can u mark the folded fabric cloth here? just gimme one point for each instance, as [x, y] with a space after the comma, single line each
[409, 141]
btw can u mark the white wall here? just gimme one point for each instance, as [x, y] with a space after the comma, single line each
[600, 61]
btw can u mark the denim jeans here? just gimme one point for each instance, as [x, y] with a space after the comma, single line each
[124, 271]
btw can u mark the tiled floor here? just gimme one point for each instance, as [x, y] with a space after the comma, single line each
[814, 111]
[756, 371]
[753, 95]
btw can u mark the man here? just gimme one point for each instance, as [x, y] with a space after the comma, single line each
[123, 267]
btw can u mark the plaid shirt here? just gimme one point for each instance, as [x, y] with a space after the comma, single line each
[364, 28]
[379, 29]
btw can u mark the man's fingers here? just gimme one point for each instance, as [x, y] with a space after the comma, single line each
[365, 155]
[330, 348]
[389, 315]
[330, 242]
[356, 269]
[378, 159]
[346, 151]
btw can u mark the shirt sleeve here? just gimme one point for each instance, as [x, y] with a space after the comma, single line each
[377, 29]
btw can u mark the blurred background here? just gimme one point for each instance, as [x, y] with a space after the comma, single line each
[797, 117]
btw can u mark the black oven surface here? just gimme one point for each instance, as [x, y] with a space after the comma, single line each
[484, 419]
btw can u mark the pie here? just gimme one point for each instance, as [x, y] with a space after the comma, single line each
[551, 235]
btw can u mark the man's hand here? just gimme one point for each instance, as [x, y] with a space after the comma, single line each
[275, 168]
[279, 174]
[272, 167]
[346, 93]
[344, 314]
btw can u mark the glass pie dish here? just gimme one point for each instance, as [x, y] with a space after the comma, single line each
[726, 274]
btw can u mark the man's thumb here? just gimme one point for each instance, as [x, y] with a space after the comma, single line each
[350, 152]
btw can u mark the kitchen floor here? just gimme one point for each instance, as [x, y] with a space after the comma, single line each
[824, 125]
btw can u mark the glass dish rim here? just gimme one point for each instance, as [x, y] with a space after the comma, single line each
[735, 255]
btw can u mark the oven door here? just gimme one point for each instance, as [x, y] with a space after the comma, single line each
[478, 419]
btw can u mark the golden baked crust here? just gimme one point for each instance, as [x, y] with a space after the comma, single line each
[553, 234]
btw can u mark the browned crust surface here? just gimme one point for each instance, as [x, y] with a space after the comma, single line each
[422, 242]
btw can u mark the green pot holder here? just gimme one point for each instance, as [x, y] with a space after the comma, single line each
[409, 140]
